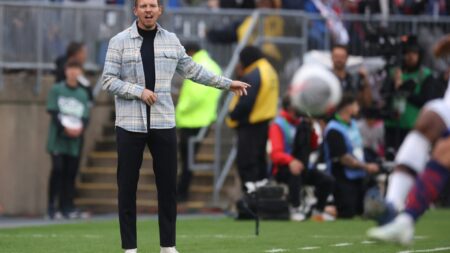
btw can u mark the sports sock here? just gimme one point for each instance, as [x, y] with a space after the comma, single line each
[426, 189]
[400, 183]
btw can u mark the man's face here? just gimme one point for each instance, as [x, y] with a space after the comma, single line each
[354, 109]
[72, 74]
[339, 57]
[411, 59]
[147, 12]
[350, 110]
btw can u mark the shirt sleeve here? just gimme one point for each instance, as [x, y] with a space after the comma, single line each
[336, 143]
[87, 111]
[52, 99]
[111, 74]
[189, 69]
[277, 154]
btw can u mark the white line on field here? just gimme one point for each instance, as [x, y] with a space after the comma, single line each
[426, 250]
[338, 236]
[276, 250]
[344, 244]
[420, 237]
[309, 248]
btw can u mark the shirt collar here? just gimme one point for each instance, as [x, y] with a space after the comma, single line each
[253, 66]
[339, 119]
[134, 29]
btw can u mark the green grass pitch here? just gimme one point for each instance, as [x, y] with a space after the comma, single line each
[225, 235]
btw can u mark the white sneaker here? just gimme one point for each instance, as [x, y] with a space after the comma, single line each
[297, 214]
[168, 250]
[131, 251]
[322, 216]
[400, 230]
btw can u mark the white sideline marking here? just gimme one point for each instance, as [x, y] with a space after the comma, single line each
[309, 248]
[276, 250]
[367, 242]
[338, 236]
[426, 250]
[344, 244]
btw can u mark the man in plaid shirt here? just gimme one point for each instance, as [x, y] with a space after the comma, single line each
[139, 66]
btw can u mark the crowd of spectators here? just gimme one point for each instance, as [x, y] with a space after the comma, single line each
[403, 7]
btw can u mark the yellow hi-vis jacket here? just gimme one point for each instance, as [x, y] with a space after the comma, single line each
[262, 100]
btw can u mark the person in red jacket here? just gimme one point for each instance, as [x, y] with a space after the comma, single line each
[292, 140]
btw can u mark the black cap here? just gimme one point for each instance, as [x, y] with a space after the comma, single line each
[410, 44]
[191, 46]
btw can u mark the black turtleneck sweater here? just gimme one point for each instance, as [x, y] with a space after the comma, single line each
[148, 62]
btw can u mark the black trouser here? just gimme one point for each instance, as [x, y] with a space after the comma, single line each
[322, 182]
[130, 148]
[393, 137]
[251, 152]
[349, 197]
[62, 182]
[186, 174]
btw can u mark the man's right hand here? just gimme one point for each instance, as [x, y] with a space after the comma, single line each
[296, 167]
[148, 97]
[372, 168]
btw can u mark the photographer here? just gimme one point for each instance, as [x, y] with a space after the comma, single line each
[356, 85]
[407, 89]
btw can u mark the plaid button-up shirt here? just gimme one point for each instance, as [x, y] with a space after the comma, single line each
[123, 76]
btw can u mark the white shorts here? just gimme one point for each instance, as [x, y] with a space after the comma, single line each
[414, 151]
[440, 107]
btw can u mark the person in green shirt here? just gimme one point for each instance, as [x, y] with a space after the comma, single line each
[196, 108]
[67, 103]
[408, 88]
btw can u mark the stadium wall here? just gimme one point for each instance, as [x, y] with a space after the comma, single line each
[24, 162]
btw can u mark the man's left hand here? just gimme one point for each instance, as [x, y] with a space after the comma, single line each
[239, 88]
